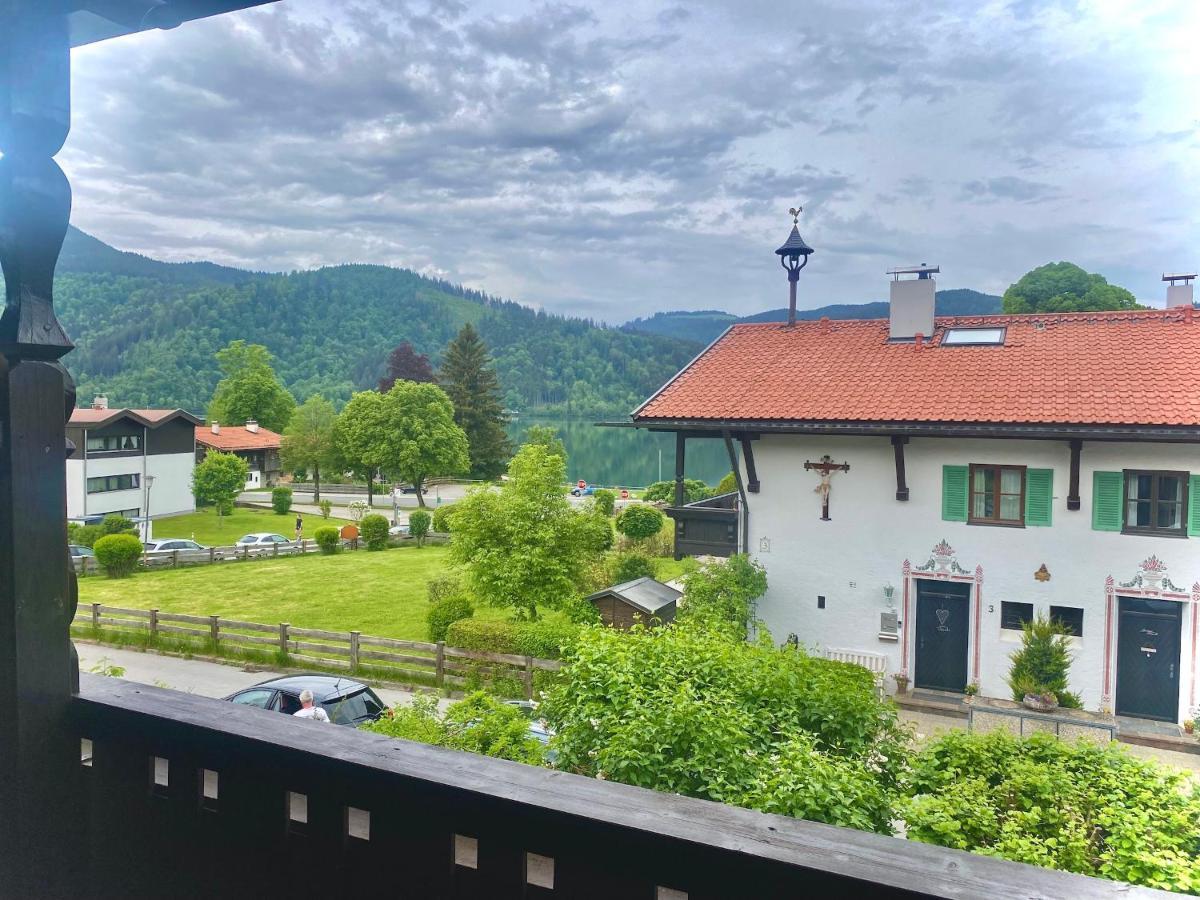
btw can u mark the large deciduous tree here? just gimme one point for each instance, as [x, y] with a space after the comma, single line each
[1064, 287]
[469, 378]
[308, 440]
[218, 479]
[360, 435]
[523, 545]
[249, 389]
[406, 364]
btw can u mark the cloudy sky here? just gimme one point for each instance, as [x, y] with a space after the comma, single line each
[613, 159]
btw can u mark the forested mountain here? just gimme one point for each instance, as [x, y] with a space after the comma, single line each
[147, 332]
[705, 326]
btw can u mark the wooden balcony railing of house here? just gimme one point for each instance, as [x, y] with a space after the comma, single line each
[115, 790]
[707, 527]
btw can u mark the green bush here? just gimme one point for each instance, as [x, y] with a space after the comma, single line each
[118, 554]
[86, 535]
[418, 525]
[639, 521]
[117, 524]
[281, 500]
[374, 530]
[328, 538]
[326, 508]
[1081, 807]
[664, 491]
[630, 565]
[441, 519]
[605, 500]
[488, 635]
[1040, 667]
[727, 485]
[445, 612]
[720, 596]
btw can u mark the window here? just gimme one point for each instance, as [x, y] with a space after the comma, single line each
[113, 443]
[997, 495]
[965, 337]
[260, 697]
[1070, 616]
[1014, 615]
[104, 483]
[1155, 502]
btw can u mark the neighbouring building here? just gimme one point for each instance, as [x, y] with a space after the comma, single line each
[136, 462]
[918, 487]
[639, 601]
[258, 446]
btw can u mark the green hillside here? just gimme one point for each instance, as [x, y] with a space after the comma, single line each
[146, 332]
[704, 327]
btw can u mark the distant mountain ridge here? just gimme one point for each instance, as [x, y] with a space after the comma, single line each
[706, 326]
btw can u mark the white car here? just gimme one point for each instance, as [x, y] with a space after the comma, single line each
[267, 542]
[162, 551]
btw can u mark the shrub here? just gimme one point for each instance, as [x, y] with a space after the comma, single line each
[418, 525]
[326, 508]
[727, 485]
[117, 524]
[281, 499]
[545, 639]
[374, 530]
[445, 612]
[664, 491]
[357, 509]
[441, 519]
[442, 586]
[488, 635]
[1079, 807]
[630, 565]
[328, 538]
[639, 521]
[720, 596]
[86, 535]
[118, 554]
[1041, 665]
[605, 500]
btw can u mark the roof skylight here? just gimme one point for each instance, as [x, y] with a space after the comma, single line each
[964, 337]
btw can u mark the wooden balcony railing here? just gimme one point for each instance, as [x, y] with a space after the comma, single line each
[706, 527]
[183, 796]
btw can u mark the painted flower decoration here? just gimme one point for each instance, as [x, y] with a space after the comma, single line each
[1154, 564]
[943, 549]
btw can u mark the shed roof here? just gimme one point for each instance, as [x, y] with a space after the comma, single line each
[645, 593]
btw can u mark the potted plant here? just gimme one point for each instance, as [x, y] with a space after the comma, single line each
[901, 679]
[1189, 726]
[1038, 677]
[970, 691]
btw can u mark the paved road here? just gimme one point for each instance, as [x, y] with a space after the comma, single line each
[195, 676]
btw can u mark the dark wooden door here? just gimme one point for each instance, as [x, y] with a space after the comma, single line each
[943, 629]
[1148, 633]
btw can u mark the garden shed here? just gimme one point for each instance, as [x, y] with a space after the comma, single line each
[639, 600]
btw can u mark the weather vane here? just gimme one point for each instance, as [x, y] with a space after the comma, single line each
[794, 212]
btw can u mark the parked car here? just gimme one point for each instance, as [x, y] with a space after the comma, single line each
[80, 550]
[539, 730]
[161, 551]
[265, 541]
[346, 701]
[411, 489]
[398, 530]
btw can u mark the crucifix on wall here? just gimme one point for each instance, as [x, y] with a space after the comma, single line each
[825, 468]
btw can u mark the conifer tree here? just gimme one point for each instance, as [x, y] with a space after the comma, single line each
[470, 380]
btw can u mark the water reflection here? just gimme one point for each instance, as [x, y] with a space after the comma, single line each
[627, 457]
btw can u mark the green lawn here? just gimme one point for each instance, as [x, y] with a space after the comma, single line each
[208, 528]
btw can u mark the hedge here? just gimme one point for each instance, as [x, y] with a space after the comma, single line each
[545, 640]
[446, 612]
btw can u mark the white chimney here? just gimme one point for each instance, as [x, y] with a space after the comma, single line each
[252, 426]
[100, 402]
[216, 427]
[1179, 289]
[911, 302]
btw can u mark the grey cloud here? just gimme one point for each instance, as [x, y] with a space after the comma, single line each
[1010, 187]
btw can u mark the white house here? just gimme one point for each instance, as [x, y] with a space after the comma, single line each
[136, 462]
[918, 487]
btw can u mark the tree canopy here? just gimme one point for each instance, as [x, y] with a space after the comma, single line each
[405, 364]
[308, 441]
[1065, 287]
[218, 479]
[523, 545]
[468, 377]
[250, 389]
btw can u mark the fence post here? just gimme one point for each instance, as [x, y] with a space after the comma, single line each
[212, 555]
[214, 627]
[283, 637]
[529, 678]
[274, 549]
[440, 670]
[153, 625]
[95, 615]
[174, 559]
[354, 636]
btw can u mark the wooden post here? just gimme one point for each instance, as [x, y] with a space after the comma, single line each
[1073, 489]
[680, 451]
[174, 559]
[274, 550]
[153, 625]
[212, 555]
[283, 637]
[95, 615]
[528, 678]
[214, 627]
[354, 636]
[440, 668]
[898, 442]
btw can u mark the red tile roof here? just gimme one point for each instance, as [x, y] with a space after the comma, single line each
[149, 417]
[1137, 367]
[236, 437]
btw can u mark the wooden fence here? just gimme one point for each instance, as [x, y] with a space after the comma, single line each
[389, 658]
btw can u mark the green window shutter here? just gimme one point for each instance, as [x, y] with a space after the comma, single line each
[1107, 488]
[1039, 496]
[1194, 506]
[954, 493]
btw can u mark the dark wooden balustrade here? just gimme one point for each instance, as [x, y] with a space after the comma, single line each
[706, 527]
[182, 796]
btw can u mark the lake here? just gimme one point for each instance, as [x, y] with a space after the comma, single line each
[627, 457]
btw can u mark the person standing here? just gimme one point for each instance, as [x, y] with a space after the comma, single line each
[299, 527]
[307, 710]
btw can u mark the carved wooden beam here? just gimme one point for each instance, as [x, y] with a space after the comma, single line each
[748, 455]
[1073, 489]
[898, 442]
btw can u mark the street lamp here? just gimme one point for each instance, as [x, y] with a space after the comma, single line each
[149, 484]
[789, 258]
